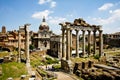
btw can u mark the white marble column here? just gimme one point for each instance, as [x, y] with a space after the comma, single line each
[83, 49]
[77, 44]
[94, 42]
[39, 40]
[63, 44]
[89, 42]
[19, 46]
[27, 43]
[100, 42]
[68, 44]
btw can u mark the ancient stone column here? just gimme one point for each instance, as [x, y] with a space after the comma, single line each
[27, 43]
[89, 42]
[63, 43]
[77, 44]
[83, 46]
[68, 44]
[100, 42]
[39, 41]
[94, 42]
[19, 46]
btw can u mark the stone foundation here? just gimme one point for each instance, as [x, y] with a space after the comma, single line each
[83, 65]
[66, 66]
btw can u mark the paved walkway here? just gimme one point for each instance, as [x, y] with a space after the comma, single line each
[61, 75]
[64, 76]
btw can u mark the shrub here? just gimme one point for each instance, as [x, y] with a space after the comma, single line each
[96, 56]
[51, 61]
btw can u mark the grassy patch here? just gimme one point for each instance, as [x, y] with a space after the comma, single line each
[4, 53]
[12, 69]
[112, 52]
[57, 67]
[50, 60]
[83, 59]
[35, 60]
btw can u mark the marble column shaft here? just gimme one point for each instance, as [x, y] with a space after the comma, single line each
[68, 45]
[89, 42]
[94, 42]
[27, 43]
[100, 43]
[77, 43]
[19, 46]
[39, 41]
[63, 44]
[83, 49]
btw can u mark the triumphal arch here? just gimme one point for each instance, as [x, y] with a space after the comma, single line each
[79, 25]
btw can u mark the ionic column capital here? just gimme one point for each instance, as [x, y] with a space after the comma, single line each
[100, 31]
[83, 31]
[70, 30]
[77, 31]
[94, 31]
[62, 29]
[89, 31]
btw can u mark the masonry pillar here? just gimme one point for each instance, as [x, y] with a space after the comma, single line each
[77, 44]
[63, 44]
[100, 42]
[83, 49]
[70, 43]
[89, 42]
[39, 41]
[27, 43]
[94, 42]
[19, 46]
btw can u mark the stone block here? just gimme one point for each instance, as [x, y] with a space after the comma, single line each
[10, 78]
[66, 65]
[83, 65]
[6, 59]
[90, 64]
[23, 76]
[79, 66]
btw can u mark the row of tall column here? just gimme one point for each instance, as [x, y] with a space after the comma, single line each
[68, 53]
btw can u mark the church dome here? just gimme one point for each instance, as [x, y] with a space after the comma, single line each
[44, 25]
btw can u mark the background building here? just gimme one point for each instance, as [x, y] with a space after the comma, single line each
[112, 40]
[10, 38]
[41, 40]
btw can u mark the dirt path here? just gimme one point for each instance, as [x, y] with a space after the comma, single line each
[64, 76]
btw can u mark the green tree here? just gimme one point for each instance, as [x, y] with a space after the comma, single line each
[31, 47]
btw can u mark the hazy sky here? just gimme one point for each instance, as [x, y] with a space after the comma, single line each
[15, 13]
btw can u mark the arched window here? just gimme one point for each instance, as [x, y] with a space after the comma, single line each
[45, 35]
[45, 43]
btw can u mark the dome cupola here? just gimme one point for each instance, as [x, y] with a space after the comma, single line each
[44, 25]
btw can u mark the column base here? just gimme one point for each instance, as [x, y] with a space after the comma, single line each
[63, 58]
[85, 55]
[66, 65]
[19, 60]
[28, 64]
